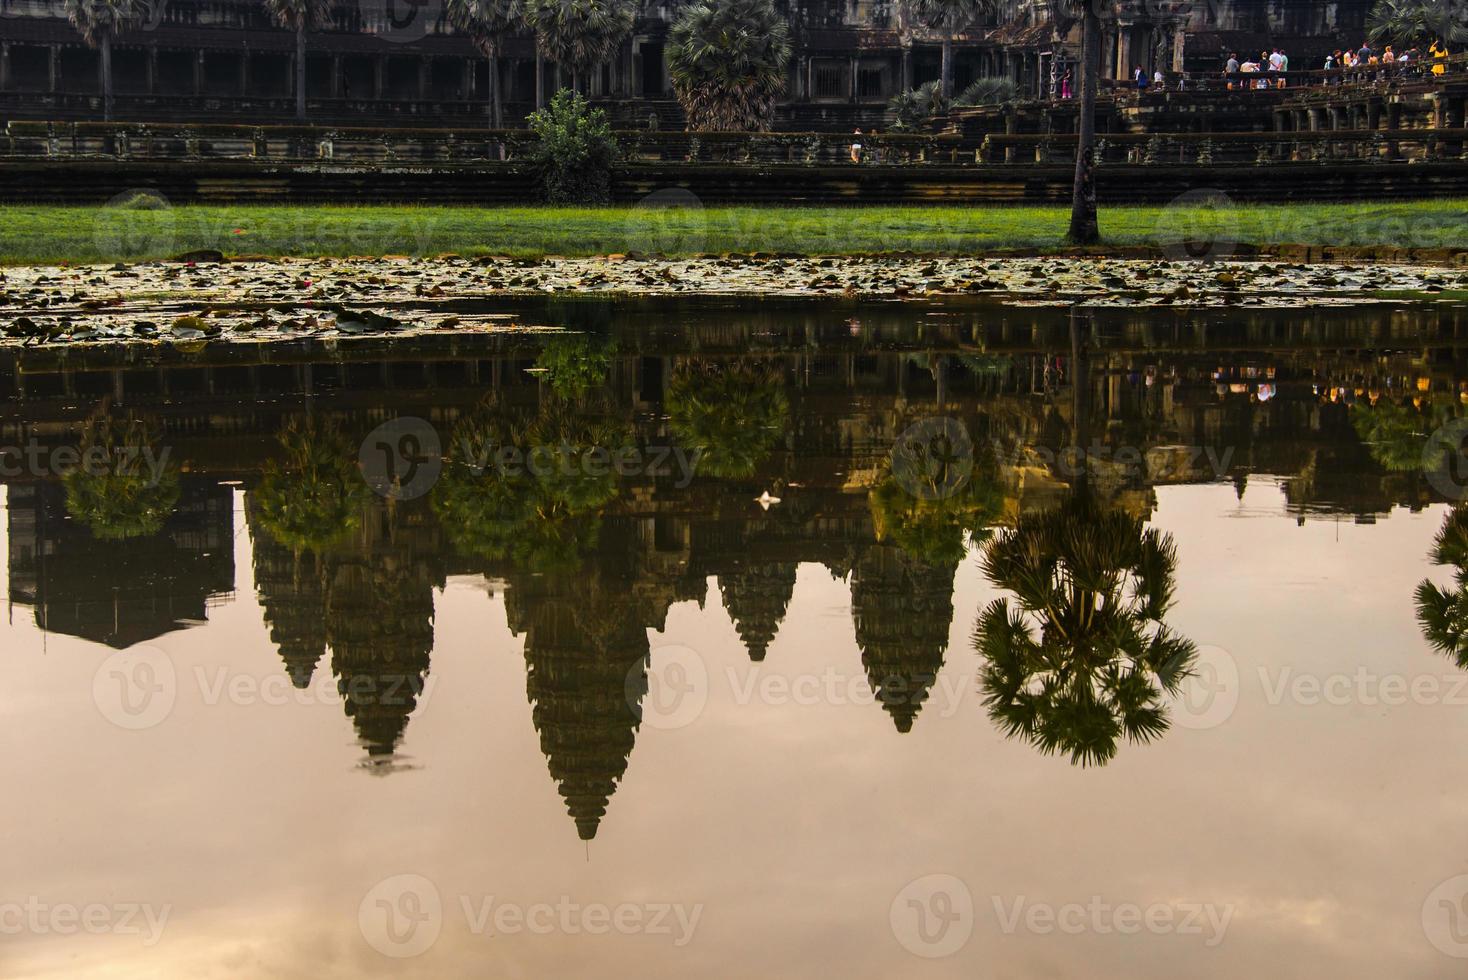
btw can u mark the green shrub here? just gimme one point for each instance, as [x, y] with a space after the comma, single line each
[915, 108]
[575, 151]
[989, 91]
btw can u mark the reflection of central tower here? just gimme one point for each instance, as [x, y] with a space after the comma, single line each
[756, 597]
[902, 610]
[585, 658]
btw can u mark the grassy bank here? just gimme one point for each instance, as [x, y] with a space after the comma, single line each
[98, 234]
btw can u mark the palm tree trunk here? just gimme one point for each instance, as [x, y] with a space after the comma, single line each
[496, 103]
[947, 71]
[1083, 226]
[106, 72]
[1080, 389]
[301, 72]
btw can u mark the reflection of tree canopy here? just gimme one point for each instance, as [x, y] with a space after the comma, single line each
[576, 364]
[731, 416]
[529, 490]
[312, 496]
[1442, 614]
[933, 530]
[1097, 584]
[1396, 432]
[115, 490]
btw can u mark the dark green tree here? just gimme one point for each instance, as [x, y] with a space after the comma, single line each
[728, 61]
[1442, 613]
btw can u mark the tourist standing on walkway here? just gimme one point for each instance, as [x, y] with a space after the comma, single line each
[1065, 85]
[1231, 70]
[856, 147]
[1439, 55]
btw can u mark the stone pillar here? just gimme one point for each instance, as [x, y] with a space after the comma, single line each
[336, 76]
[53, 67]
[851, 78]
[245, 72]
[4, 64]
[906, 70]
[152, 69]
[379, 69]
[199, 73]
[425, 76]
[539, 79]
[466, 79]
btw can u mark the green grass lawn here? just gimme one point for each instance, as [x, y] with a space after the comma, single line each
[93, 234]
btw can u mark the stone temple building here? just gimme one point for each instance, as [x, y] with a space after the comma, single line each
[399, 62]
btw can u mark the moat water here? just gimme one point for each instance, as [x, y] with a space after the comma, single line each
[744, 640]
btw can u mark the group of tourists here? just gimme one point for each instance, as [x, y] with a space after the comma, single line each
[1275, 63]
[1273, 66]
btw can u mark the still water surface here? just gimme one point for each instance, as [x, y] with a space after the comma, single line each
[622, 717]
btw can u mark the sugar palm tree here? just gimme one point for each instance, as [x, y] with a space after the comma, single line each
[1442, 613]
[98, 21]
[1082, 657]
[949, 17]
[1420, 22]
[300, 16]
[1084, 228]
[487, 23]
[579, 34]
[728, 60]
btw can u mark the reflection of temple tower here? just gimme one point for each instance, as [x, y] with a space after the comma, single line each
[379, 622]
[756, 597]
[292, 591]
[369, 597]
[902, 609]
[119, 592]
[585, 657]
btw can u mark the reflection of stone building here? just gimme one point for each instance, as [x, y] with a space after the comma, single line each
[292, 592]
[756, 597]
[370, 599]
[586, 654]
[207, 60]
[903, 609]
[120, 592]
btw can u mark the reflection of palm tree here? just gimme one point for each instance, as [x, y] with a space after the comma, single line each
[732, 417]
[933, 530]
[1395, 432]
[531, 492]
[576, 364]
[312, 498]
[115, 491]
[1098, 585]
[1442, 614]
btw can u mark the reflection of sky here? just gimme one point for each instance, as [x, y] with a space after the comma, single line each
[793, 825]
